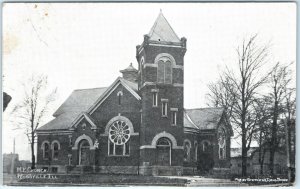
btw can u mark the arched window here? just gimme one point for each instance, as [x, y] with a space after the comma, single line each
[187, 150]
[164, 69]
[222, 143]
[55, 147]
[118, 138]
[120, 94]
[46, 150]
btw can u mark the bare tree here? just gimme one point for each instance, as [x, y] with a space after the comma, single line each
[222, 94]
[263, 129]
[33, 107]
[279, 80]
[243, 86]
[290, 129]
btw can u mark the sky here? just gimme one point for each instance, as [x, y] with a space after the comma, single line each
[84, 45]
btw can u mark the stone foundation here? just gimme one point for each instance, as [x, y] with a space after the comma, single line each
[221, 172]
[161, 170]
[189, 170]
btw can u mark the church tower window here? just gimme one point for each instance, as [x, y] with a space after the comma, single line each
[164, 107]
[154, 97]
[164, 70]
[174, 116]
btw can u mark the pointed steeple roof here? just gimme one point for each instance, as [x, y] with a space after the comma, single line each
[162, 31]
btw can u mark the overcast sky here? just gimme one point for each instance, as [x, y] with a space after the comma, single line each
[85, 45]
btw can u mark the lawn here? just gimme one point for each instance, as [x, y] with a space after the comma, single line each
[105, 179]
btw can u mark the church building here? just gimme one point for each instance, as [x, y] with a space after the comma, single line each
[138, 125]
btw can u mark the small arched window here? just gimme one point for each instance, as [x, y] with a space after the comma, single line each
[222, 143]
[55, 147]
[120, 94]
[46, 150]
[187, 150]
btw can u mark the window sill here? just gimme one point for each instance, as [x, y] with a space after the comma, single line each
[174, 125]
[165, 116]
[154, 106]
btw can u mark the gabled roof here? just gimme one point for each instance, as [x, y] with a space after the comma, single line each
[130, 86]
[80, 100]
[204, 118]
[162, 31]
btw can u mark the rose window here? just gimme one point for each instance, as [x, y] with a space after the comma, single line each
[119, 132]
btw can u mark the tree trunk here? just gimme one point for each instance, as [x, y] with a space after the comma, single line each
[32, 151]
[244, 157]
[274, 138]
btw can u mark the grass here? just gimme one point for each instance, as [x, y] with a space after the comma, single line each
[105, 179]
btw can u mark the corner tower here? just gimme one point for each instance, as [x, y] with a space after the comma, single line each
[160, 79]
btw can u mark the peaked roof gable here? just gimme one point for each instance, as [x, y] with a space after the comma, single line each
[162, 30]
[81, 102]
[130, 86]
[82, 116]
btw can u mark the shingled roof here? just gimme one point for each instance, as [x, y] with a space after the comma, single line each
[203, 118]
[81, 101]
[162, 31]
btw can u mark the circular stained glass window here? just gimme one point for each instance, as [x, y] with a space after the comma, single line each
[119, 132]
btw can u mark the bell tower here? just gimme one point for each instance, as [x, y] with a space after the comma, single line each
[161, 84]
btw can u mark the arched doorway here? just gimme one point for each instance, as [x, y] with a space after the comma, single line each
[163, 152]
[84, 152]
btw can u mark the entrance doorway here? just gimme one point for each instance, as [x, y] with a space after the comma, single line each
[163, 152]
[84, 152]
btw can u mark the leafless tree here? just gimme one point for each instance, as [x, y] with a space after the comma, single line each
[263, 129]
[243, 86]
[279, 80]
[30, 111]
[222, 94]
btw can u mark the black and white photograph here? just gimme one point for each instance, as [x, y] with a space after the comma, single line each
[199, 94]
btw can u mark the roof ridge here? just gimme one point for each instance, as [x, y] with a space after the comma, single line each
[89, 88]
